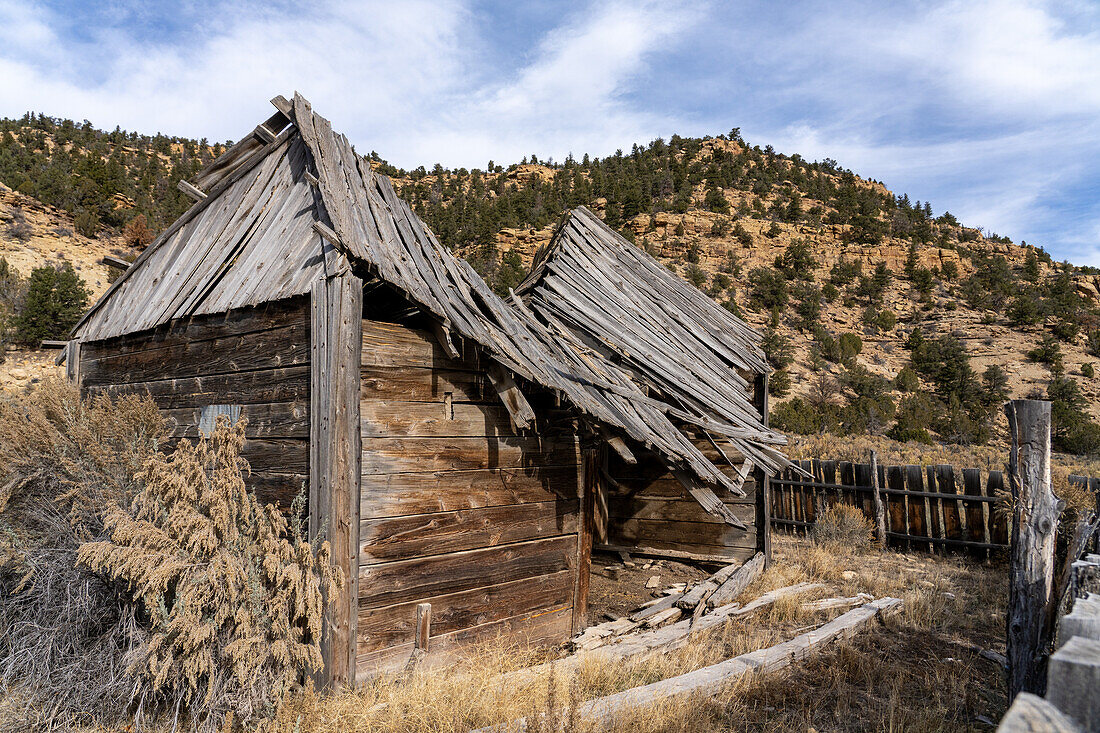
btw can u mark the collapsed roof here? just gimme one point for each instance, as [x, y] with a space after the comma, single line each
[675, 341]
[294, 202]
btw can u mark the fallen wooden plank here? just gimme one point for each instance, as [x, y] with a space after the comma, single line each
[707, 680]
[735, 585]
[702, 591]
[657, 641]
[826, 604]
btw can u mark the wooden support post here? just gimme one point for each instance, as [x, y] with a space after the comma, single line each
[763, 490]
[588, 477]
[335, 452]
[1034, 525]
[423, 626]
[880, 510]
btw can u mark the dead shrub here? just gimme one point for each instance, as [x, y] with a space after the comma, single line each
[65, 632]
[842, 525]
[233, 596]
[137, 585]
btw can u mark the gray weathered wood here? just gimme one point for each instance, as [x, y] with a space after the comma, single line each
[191, 190]
[1032, 714]
[736, 584]
[876, 498]
[1034, 526]
[335, 455]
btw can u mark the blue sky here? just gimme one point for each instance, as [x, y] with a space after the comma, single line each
[989, 109]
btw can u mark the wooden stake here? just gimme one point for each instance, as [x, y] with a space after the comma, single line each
[1034, 525]
[880, 511]
[423, 626]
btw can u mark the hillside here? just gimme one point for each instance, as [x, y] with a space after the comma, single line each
[836, 270]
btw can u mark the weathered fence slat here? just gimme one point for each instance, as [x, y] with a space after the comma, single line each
[938, 516]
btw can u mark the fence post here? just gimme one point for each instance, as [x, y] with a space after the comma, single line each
[1034, 525]
[880, 511]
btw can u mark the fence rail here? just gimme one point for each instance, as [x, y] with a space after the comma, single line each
[925, 509]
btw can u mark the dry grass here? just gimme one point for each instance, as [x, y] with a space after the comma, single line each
[914, 673]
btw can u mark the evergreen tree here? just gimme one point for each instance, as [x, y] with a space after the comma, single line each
[56, 299]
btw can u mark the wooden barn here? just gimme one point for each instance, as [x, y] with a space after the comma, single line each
[684, 349]
[450, 442]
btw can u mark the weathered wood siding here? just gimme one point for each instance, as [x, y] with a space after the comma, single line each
[257, 358]
[456, 509]
[653, 510]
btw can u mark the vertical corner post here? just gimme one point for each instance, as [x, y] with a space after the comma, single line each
[1034, 526]
[335, 448]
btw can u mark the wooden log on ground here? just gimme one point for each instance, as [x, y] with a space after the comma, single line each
[735, 585]
[1032, 714]
[1034, 525]
[658, 641]
[602, 712]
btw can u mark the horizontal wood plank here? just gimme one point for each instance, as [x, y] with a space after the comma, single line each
[265, 386]
[270, 420]
[393, 495]
[383, 418]
[395, 625]
[683, 510]
[278, 347]
[381, 540]
[236, 322]
[276, 488]
[681, 535]
[423, 384]
[406, 580]
[537, 628]
[419, 455]
[393, 345]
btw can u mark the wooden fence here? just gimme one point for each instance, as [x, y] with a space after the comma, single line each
[927, 507]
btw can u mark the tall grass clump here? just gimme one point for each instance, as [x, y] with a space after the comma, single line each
[842, 525]
[201, 607]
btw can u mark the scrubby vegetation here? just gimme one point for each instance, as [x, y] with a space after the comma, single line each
[138, 585]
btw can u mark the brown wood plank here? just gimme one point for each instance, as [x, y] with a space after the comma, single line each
[682, 510]
[952, 516]
[680, 534]
[998, 518]
[394, 345]
[393, 495]
[380, 628]
[335, 453]
[917, 505]
[406, 580]
[270, 420]
[669, 487]
[537, 628]
[278, 347]
[588, 477]
[265, 386]
[423, 384]
[383, 418]
[418, 455]
[398, 538]
[899, 519]
[276, 455]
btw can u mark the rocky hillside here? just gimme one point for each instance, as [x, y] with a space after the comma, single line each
[846, 279]
[794, 247]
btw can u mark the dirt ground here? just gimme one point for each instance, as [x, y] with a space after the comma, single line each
[617, 587]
